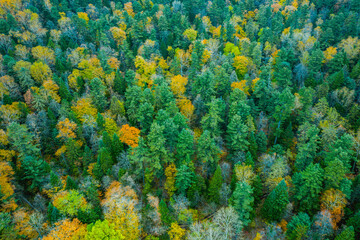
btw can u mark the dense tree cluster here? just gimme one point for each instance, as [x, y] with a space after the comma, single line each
[186, 119]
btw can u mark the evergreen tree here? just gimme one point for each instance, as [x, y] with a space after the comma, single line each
[215, 186]
[184, 178]
[166, 217]
[237, 134]
[70, 183]
[308, 185]
[53, 214]
[298, 226]
[98, 94]
[185, 146]
[104, 159]
[276, 202]
[242, 201]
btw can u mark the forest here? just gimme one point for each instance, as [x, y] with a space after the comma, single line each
[185, 119]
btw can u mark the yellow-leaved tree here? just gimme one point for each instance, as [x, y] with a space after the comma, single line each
[66, 129]
[119, 207]
[6, 187]
[240, 64]
[178, 85]
[44, 54]
[176, 232]
[170, 173]
[185, 106]
[84, 110]
[40, 72]
[334, 201]
[67, 230]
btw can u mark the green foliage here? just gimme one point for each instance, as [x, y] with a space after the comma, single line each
[207, 151]
[184, 178]
[298, 227]
[98, 94]
[103, 230]
[242, 201]
[104, 159]
[34, 170]
[215, 186]
[346, 234]
[275, 204]
[269, 92]
[236, 134]
[307, 187]
[185, 146]
[166, 217]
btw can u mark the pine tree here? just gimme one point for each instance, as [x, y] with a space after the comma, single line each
[104, 159]
[54, 179]
[100, 122]
[261, 140]
[98, 94]
[106, 140]
[184, 178]
[53, 214]
[276, 202]
[298, 226]
[87, 157]
[347, 234]
[253, 147]
[242, 200]
[308, 185]
[70, 183]
[166, 217]
[215, 186]
[237, 133]
[116, 146]
[185, 146]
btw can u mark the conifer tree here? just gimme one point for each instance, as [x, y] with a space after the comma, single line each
[242, 201]
[215, 186]
[276, 202]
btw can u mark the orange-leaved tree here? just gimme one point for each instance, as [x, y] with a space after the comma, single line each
[67, 230]
[129, 135]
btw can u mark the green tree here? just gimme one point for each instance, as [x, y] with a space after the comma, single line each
[307, 187]
[184, 178]
[207, 150]
[166, 217]
[283, 75]
[283, 109]
[343, 149]
[275, 204]
[212, 120]
[347, 234]
[335, 172]
[307, 146]
[103, 230]
[156, 142]
[53, 213]
[104, 159]
[242, 201]
[145, 116]
[116, 146]
[215, 185]
[97, 91]
[22, 141]
[70, 183]
[237, 133]
[34, 170]
[298, 227]
[185, 146]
